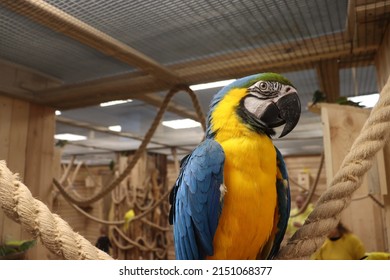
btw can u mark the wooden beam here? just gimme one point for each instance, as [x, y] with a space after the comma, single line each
[278, 58]
[329, 79]
[372, 11]
[102, 129]
[369, 19]
[351, 22]
[173, 107]
[57, 20]
[23, 82]
[382, 61]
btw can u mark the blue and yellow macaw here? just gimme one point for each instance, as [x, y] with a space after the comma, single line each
[232, 199]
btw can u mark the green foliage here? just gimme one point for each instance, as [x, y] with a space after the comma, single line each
[61, 143]
[344, 101]
[111, 165]
[14, 247]
[318, 96]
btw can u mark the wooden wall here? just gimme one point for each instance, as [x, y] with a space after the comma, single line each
[302, 171]
[342, 125]
[26, 143]
[382, 60]
[382, 63]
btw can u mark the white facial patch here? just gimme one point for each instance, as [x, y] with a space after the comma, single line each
[255, 106]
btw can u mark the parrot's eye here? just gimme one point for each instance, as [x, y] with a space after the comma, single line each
[263, 86]
[269, 87]
[266, 88]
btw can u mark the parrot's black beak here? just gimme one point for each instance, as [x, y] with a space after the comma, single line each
[284, 110]
[264, 114]
[290, 111]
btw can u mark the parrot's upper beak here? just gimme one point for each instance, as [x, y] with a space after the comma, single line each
[290, 111]
[284, 110]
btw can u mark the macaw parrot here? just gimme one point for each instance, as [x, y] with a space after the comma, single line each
[231, 199]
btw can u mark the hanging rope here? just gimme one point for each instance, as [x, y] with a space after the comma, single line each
[347, 180]
[139, 151]
[312, 189]
[121, 222]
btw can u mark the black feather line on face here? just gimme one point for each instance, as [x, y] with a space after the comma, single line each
[254, 123]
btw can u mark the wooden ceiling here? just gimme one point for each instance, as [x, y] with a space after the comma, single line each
[365, 26]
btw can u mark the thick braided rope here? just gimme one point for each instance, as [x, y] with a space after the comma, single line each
[34, 216]
[138, 152]
[347, 180]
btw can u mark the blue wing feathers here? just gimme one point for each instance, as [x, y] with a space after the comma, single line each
[195, 201]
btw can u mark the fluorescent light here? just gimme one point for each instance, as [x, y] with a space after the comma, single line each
[182, 123]
[115, 102]
[368, 101]
[211, 85]
[116, 128]
[69, 137]
[58, 112]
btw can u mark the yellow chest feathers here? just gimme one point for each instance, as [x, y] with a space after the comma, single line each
[250, 169]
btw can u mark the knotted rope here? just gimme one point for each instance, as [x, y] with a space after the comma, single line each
[347, 180]
[34, 216]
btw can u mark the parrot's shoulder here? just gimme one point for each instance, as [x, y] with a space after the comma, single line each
[195, 201]
[205, 160]
[206, 155]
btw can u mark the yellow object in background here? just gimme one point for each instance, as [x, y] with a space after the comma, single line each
[128, 217]
[378, 256]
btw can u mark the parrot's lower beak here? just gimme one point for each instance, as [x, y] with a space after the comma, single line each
[290, 111]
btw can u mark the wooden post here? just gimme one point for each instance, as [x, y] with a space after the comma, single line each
[342, 124]
[329, 79]
[382, 63]
[27, 145]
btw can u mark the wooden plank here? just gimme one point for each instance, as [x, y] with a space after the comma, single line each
[351, 21]
[18, 136]
[34, 149]
[382, 60]
[16, 156]
[5, 126]
[33, 160]
[16, 124]
[342, 124]
[308, 165]
[372, 11]
[39, 159]
[47, 153]
[329, 79]
[386, 199]
[19, 81]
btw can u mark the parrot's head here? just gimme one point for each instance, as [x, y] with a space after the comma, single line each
[259, 102]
